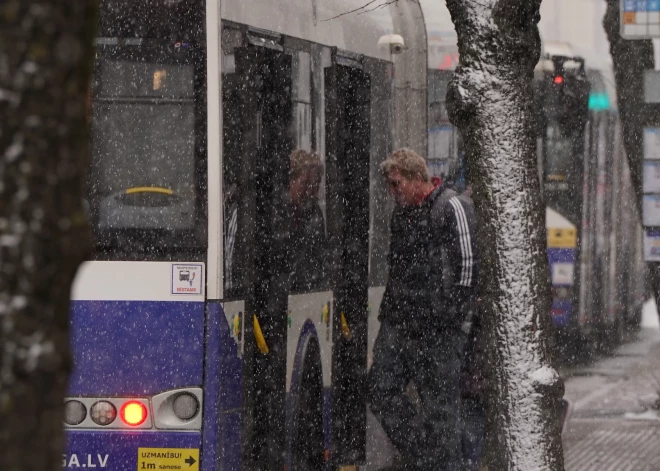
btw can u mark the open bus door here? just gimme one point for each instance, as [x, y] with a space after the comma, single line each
[265, 110]
[259, 96]
[348, 93]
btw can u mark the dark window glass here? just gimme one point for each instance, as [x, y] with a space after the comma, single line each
[143, 165]
[146, 182]
[558, 154]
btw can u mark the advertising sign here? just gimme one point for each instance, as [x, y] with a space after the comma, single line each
[640, 19]
[651, 177]
[438, 168]
[651, 210]
[652, 143]
[442, 142]
[652, 245]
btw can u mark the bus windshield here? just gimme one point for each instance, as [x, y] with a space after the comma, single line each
[143, 185]
[558, 154]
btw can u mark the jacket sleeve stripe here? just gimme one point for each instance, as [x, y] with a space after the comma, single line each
[230, 239]
[465, 242]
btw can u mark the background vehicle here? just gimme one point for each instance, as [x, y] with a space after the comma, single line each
[594, 231]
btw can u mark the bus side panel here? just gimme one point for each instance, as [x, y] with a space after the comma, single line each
[223, 398]
[562, 264]
[120, 451]
[561, 312]
[135, 348]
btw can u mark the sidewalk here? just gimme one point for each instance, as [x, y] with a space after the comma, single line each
[613, 425]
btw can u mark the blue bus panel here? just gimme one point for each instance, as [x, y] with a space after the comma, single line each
[562, 269]
[135, 348]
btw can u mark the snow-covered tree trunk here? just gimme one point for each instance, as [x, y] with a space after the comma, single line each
[45, 67]
[490, 100]
[630, 58]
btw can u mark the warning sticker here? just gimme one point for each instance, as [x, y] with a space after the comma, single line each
[168, 458]
[562, 273]
[186, 279]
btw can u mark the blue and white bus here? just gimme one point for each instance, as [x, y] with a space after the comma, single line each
[193, 348]
[594, 232]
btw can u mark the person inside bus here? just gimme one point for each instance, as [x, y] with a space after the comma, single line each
[432, 269]
[301, 227]
[307, 231]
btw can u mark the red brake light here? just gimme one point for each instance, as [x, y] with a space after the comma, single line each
[559, 79]
[133, 413]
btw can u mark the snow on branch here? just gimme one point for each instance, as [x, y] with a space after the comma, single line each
[370, 6]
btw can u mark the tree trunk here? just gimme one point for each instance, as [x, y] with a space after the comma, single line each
[630, 58]
[45, 67]
[490, 100]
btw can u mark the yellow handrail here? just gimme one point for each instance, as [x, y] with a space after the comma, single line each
[345, 329]
[259, 337]
[149, 189]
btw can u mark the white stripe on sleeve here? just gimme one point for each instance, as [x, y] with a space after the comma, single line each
[465, 242]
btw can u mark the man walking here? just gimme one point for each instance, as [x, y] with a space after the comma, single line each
[432, 265]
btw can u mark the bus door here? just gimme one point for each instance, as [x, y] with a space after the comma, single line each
[348, 92]
[258, 141]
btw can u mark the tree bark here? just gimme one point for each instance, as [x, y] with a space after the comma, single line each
[630, 58]
[490, 99]
[46, 50]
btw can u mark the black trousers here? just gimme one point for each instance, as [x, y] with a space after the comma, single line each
[427, 434]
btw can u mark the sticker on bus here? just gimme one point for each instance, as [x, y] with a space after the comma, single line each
[186, 279]
[84, 460]
[168, 458]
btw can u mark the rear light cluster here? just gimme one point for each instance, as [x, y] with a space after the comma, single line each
[179, 409]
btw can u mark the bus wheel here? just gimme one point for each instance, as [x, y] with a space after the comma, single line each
[308, 446]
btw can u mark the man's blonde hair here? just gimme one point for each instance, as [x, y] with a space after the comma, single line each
[409, 163]
[304, 161]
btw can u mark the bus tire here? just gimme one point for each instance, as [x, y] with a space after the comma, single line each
[308, 450]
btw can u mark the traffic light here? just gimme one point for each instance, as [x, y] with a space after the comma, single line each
[565, 94]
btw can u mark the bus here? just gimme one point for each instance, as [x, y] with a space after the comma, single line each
[194, 345]
[593, 227]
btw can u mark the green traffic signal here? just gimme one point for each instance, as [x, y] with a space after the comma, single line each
[599, 101]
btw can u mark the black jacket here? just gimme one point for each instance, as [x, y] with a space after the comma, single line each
[308, 247]
[432, 262]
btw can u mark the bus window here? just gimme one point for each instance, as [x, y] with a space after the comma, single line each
[144, 188]
[558, 154]
[231, 183]
[308, 228]
[182, 19]
[287, 213]
[381, 140]
[301, 222]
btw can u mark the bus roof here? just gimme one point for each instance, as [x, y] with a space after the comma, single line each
[339, 23]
